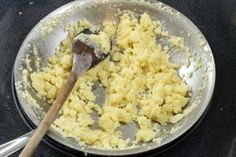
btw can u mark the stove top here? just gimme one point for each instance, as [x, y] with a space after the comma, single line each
[216, 134]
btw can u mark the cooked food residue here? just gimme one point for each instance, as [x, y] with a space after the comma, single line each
[141, 85]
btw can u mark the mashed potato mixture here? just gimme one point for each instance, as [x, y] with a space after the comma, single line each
[141, 85]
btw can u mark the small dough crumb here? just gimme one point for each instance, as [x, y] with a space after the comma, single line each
[176, 118]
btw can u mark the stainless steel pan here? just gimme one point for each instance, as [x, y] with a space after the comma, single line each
[48, 33]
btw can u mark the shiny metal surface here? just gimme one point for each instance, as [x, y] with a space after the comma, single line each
[47, 39]
[13, 146]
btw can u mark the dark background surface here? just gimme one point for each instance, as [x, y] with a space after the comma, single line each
[215, 136]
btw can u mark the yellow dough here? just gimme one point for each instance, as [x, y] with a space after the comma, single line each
[141, 84]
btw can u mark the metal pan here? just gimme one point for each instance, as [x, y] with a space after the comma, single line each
[47, 39]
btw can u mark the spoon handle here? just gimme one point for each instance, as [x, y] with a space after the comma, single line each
[49, 117]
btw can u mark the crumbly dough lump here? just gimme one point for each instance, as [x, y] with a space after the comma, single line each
[141, 85]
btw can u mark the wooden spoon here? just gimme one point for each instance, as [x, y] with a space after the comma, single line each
[84, 59]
